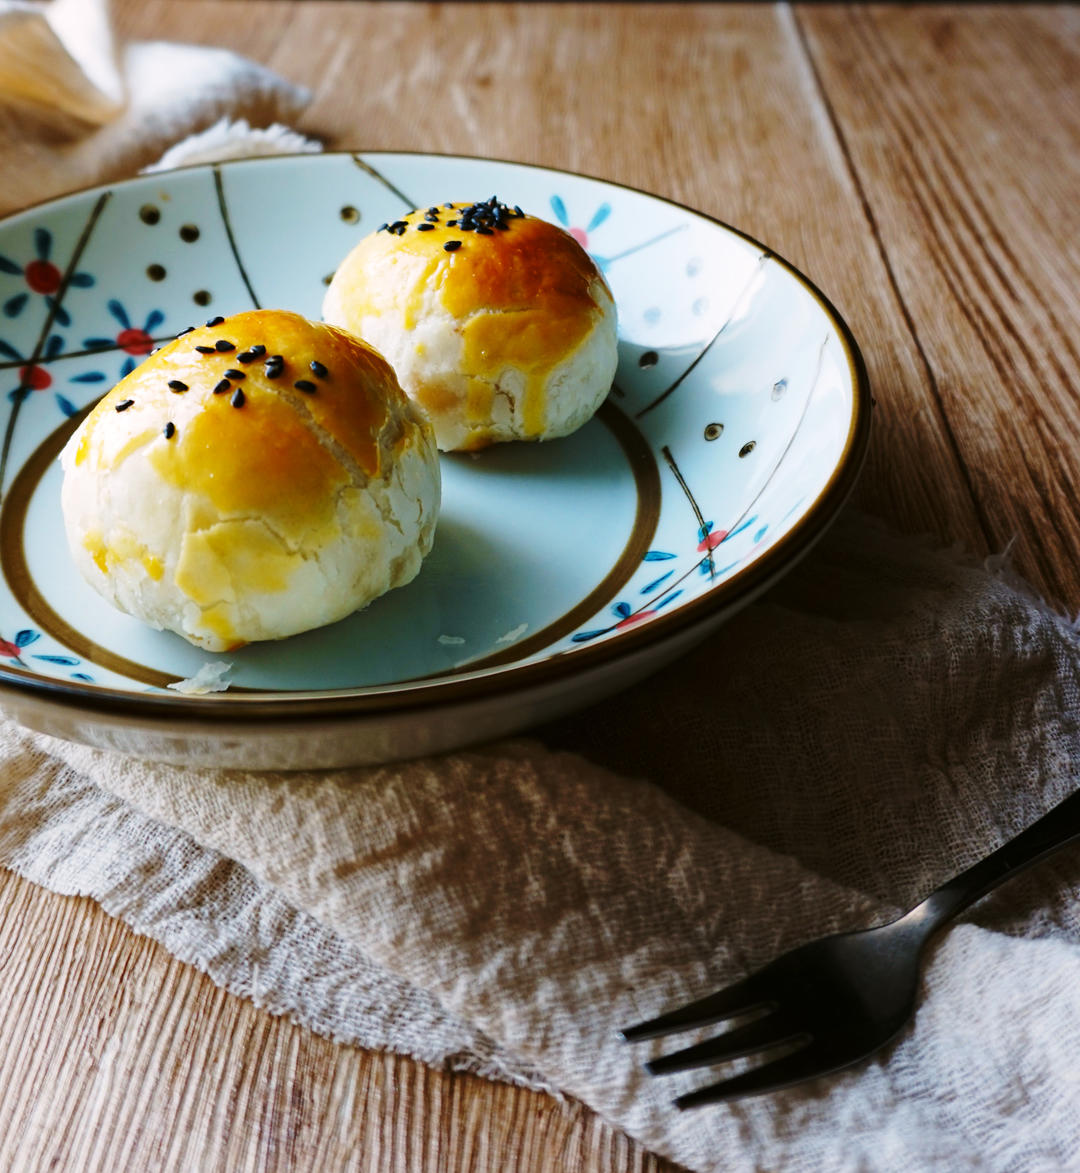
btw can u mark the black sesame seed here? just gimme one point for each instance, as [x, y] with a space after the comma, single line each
[237, 399]
[246, 356]
[467, 226]
[482, 231]
[305, 385]
[449, 205]
[222, 387]
[431, 217]
[452, 246]
[124, 404]
[169, 430]
[397, 226]
[424, 227]
[518, 213]
[382, 227]
[258, 350]
[451, 223]
[234, 375]
[502, 224]
[224, 345]
[318, 369]
[205, 349]
[187, 330]
[215, 321]
[433, 210]
[176, 385]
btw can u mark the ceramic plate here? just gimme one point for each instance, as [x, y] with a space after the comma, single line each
[561, 571]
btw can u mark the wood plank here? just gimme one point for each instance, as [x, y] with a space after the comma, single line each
[113, 1055]
[962, 125]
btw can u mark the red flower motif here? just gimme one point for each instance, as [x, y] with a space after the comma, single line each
[637, 617]
[712, 540]
[8, 649]
[42, 276]
[36, 378]
[135, 341]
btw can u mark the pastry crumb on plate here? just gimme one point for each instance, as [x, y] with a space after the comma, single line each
[209, 678]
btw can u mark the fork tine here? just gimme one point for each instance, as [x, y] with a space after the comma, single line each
[740, 998]
[769, 1031]
[805, 1063]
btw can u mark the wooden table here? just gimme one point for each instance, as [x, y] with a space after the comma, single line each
[920, 164]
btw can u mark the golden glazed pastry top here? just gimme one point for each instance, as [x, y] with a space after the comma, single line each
[249, 439]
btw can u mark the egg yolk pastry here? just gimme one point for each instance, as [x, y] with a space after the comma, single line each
[498, 324]
[257, 477]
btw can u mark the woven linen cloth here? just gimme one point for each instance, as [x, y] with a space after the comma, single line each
[882, 719]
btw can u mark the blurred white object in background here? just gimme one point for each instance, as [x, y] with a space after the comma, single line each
[233, 139]
[76, 108]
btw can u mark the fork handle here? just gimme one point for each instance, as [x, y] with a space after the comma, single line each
[1059, 826]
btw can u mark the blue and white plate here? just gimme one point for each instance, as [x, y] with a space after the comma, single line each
[561, 571]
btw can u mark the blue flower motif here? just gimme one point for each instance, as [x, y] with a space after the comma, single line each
[650, 587]
[41, 276]
[32, 377]
[12, 650]
[581, 235]
[135, 340]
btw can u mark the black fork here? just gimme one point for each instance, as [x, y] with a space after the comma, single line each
[835, 1001]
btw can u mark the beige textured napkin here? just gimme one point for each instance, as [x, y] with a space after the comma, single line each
[884, 718]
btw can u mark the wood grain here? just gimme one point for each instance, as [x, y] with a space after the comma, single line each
[919, 163]
[961, 127]
[114, 1056]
